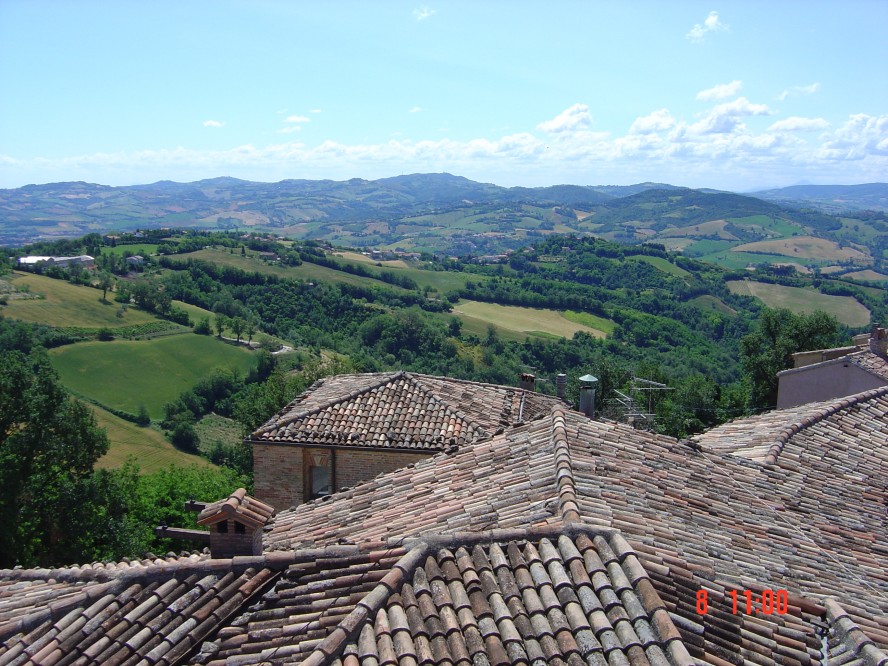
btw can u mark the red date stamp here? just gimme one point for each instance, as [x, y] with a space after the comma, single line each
[769, 602]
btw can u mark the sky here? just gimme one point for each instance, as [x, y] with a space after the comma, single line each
[738, 95]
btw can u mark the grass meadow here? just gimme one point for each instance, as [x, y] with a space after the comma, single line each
[528, 321]
[124, 374]
[64, 304]
[799, 300]
[149, 448]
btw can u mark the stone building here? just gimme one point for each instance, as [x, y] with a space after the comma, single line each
[349, 428]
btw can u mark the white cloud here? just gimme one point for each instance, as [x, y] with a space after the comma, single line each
[797, 91]
[213, 123]
[728, 117]
[424, 12]
[715, 149]
[290, 129]
[315, 111]
[797, 124]
[576, 118]
[656, 121]
[415, 109]
[720, 91]
[711, 24]
[861, 137]
[297, 119]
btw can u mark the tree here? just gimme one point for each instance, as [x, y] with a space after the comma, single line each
[250, 329]
[105, 283]
[220, 322]
[237, 325]
[48, 445]
[769, 349]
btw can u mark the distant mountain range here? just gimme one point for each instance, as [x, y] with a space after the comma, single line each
[439, 212]
[831, 198]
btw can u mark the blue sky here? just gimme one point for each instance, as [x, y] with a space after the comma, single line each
[731, 95]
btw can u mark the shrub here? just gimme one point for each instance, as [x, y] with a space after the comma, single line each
[203, 327]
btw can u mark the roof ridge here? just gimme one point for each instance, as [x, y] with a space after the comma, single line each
[454, 410]
[792, 430]
[848, 630]
[351, 395]
[333, 645]
[564, 478]
[366, 609]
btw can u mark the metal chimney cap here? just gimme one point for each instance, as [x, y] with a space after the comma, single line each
[588, 379]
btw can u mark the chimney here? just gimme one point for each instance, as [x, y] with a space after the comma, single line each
[587, 395]
[560, 385]
[878, 342]
[528, 381]
[235, 525]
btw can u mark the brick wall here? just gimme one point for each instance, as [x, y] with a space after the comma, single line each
[278, 473]
[355, 466]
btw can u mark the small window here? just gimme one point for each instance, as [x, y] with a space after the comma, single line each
[223, 527]
[317, 473]
[239, 528]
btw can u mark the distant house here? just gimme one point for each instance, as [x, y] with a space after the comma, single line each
[269, 256]
[83, 260]
[825, 374]
[349, 428]
[135, 260]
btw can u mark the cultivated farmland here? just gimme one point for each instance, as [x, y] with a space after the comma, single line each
[844, 308]
[522, 320]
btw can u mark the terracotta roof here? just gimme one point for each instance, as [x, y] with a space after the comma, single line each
[763, 437]
[237, 506]
[401, 410]
[563, 540]
[877, 364]
[813, 523]
[550, 596]
[568, 594]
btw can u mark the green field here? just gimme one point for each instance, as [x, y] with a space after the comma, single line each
[65, 304]
[844, 308]
[592, 321]
[713, 303]
[124, 374]
[522, 320]
[663, 265]
[150, 449]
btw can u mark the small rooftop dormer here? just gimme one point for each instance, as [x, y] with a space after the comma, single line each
[235, 524]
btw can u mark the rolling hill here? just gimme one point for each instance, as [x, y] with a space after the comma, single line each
[454, 215]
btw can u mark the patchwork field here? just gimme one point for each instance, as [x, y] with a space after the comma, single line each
[65, 304]
[844, 308]
[150, 448]
[523, 320]
[806, 247]
[124, 374]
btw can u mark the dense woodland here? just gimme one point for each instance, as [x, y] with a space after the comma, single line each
[717, 363]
